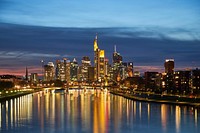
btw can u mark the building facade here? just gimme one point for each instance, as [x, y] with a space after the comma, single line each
[195, 80]
[99, 62]
[74, 70]
[49, 72]
[63, 70]
[168, 78]
[182, 81]
[118, 67]
[152, 81]
[34, 78]
[83, 69]
[169, 66]
[91, 74]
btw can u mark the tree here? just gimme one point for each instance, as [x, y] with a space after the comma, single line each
[58, 83]
[6, 85]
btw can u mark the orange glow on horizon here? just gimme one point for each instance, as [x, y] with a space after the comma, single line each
[20, 71]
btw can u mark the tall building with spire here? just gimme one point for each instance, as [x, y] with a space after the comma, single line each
[117, 64]
[117, 58]
[96, 58]
[99, 61]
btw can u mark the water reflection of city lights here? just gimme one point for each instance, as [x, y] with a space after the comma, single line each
[148, 110]
[100, 107]
[127, 109]
[140, 110]
[135, 108]
[90, 111]
[164, 116]
[196, 117]
[178, 118]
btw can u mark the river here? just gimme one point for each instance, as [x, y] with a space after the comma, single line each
[93, 112]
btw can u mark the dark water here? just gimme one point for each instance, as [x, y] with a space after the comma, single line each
[94, 111]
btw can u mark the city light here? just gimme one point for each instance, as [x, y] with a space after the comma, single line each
[99, 66]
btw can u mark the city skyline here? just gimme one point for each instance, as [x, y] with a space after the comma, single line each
[144, 52]
[100, 66]
[147, 33]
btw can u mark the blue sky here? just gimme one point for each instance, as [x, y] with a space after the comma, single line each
[102, 13]
[145, 31]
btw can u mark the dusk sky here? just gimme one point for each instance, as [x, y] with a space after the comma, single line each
[146, 32]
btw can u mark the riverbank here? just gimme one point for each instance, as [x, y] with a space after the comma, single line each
[157, 98]
[14, 95]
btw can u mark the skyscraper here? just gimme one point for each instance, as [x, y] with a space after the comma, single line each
[74, 70]
[49, 72]
[96, 59]
[107, 67]
[182, 81]
[169, 75]
[83, 69]
[117, 58]
[34, 78]
[152, 81]
[130, 69]
[169, 66]
[195, 80]
[102, 64]
[67, 70]
[99, 61]
[117, 65]
[90, 74]
[63, 70]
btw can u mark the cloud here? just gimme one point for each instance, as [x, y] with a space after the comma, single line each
[68, 13]
[42, 55]
[19, 54]
[26, 45]
[21, 59]
[158, 33]
[143, 69]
